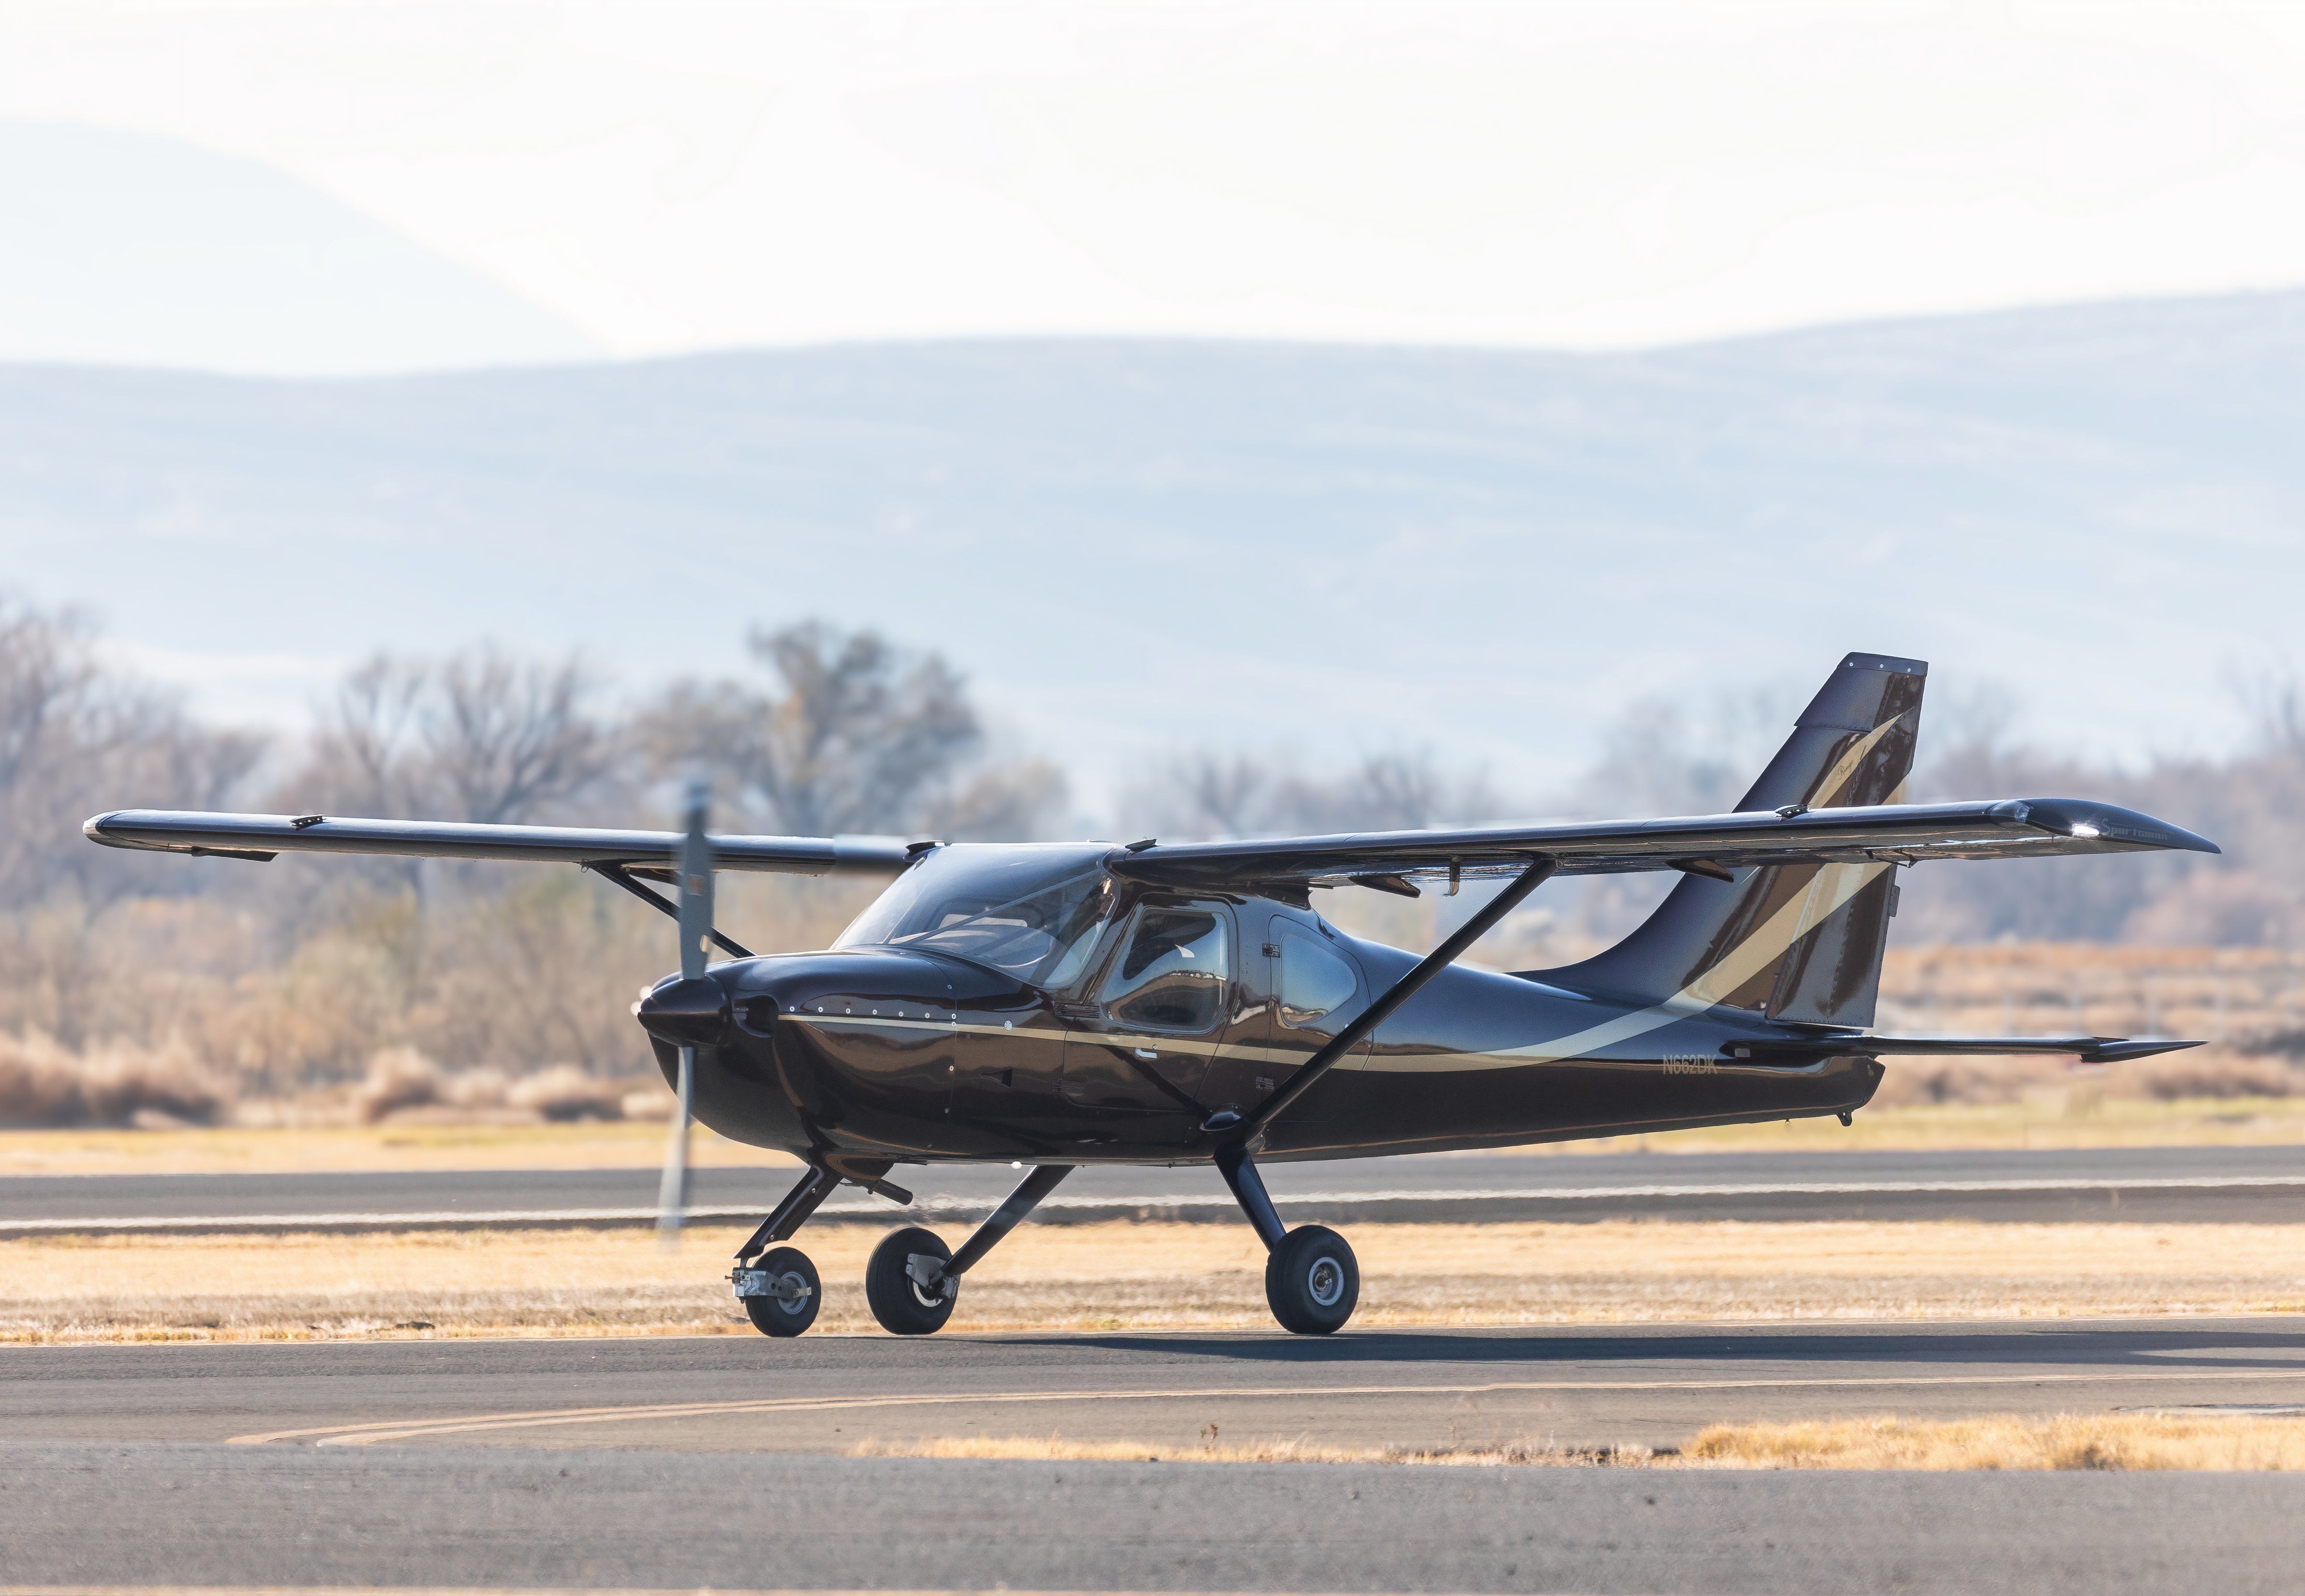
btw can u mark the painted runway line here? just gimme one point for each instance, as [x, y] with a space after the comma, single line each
[395, 1430]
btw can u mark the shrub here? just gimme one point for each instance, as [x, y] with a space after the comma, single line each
[44, 1083]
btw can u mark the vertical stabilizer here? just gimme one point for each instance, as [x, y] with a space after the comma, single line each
[1795, 942]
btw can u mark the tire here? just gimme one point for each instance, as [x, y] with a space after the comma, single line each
[896, 1299]
[774, 1317]
[1312, 1281]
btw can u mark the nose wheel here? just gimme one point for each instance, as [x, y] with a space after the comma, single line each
[1312, 1281]
[780, 1292]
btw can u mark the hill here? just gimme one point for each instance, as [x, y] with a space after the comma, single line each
[1135, 544]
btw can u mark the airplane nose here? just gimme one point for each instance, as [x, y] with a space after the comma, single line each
[687, 1013]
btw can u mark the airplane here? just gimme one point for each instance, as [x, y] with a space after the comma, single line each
[1056, 1005]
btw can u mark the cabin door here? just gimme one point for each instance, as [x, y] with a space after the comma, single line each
[1158, 1010]
[1305, 988]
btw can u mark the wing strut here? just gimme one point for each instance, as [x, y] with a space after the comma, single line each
[649, 896]
[1249, 1133]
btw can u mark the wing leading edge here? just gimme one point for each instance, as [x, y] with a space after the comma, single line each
[1703, 845]
[262, 837]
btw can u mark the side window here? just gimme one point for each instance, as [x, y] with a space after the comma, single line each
[1172, 974]
[1314, 981]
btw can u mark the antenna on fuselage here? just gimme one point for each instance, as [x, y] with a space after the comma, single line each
[695, 919]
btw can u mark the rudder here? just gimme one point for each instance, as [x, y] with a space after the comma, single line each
[1799, 943]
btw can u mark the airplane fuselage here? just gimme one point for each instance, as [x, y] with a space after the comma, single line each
[913, 1055]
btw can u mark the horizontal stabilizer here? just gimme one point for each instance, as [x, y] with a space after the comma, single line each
[260, 836]
[2088, 1050]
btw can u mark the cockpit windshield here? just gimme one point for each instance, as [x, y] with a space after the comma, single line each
[1030, 913]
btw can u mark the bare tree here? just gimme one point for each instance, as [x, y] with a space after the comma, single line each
[2275, 700]
[849, 734]
[76, 738]
[479, 736]
[1404, 790]
[1209, 793]
[511, 741]
[1006, 803]
[1205, 794]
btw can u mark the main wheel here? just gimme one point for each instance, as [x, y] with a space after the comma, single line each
[799, 1293]
[892, 1283]
[1312, 1281]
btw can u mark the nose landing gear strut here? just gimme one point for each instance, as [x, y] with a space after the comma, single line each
[912, 1280]
[778, 1286]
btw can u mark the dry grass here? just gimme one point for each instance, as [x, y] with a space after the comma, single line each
[2003, 1441]
[2247, 1003]
[1997, 1441]
[237, 1150]
[1121, 1276]
[2059, 1110]
[1055, 1448]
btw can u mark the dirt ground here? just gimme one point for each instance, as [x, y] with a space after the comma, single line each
[1123, 1276]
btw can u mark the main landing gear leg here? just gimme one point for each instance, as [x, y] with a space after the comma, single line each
[781, 1292]
[913, 1278]
[1312, 1280]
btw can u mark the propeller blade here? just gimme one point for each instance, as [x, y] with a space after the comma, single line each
[696, 889]
[672, 1191]
[695, 905]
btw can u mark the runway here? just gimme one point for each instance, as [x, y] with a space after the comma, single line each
[1570, 1386]
[684, 1462]
[2203, 1185]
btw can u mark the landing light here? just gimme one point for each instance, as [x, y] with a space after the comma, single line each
[2083, 829]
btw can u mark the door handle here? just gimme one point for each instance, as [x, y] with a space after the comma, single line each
[1148, 1052]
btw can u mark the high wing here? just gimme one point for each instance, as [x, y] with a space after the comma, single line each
[638, 853]
[1702, 844]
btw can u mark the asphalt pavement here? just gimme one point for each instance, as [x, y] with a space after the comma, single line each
[667, 1463]
[2227, 1184]
[124, 1516]
[1580, 1386]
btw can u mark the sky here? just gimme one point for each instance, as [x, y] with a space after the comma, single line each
[643, 179]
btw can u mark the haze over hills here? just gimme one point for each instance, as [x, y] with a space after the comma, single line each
[1132, 546]
[128, 249]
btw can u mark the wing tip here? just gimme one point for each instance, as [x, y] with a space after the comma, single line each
[2114, 1049]
[97, 828]
[2087, 818]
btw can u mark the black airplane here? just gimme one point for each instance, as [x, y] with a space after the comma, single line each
[1052, 1005]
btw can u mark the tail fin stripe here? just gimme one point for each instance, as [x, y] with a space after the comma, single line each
[1844, 768]
[1835, 885]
